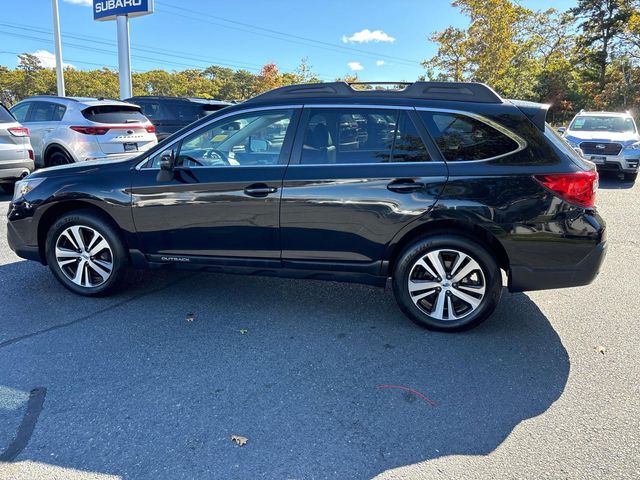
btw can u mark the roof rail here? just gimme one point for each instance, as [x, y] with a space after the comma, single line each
[53, 96]
[452, 91]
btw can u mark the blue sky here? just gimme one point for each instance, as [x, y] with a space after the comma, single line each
[378, 39]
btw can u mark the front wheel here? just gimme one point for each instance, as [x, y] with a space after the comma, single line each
[447, 283]
[85, 253]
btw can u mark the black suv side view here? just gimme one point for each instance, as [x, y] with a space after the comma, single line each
[170, 114]
[437, 186]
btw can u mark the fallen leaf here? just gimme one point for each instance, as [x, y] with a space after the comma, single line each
[600, 349]
[243, 331]
[190, 317]
[238, 440]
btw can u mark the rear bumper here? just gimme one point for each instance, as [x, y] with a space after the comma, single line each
[522, 278]
[15, 169]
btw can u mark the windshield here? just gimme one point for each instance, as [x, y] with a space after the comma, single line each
[591, 123]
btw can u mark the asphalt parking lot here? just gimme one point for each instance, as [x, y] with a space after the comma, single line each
[324, 380]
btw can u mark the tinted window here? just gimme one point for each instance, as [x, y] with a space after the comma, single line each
[46, 112]
[5, 116]
[348, 136]
[460, 137]
[20, 111]
[408, 146]
[185, 112]
[245, 139]
[114, 114]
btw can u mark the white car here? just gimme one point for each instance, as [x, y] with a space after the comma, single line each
[16, 154]
[66, 129]
[610, 140]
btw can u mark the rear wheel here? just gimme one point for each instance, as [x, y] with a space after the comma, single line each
[631, 177]
[85, 253]
[447, 283]
[57, 157]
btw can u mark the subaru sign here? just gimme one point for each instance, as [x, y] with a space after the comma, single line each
[110, 9]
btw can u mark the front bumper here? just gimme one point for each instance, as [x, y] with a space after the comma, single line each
[21, 246]
[619, 163]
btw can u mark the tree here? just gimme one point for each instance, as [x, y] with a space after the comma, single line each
[602, 23]
[452, 60]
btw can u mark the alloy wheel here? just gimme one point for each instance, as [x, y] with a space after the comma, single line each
[447, 284]
[84, 256]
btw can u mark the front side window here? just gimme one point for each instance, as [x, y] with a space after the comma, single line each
[248, 139]
[461, 138]
[358, 135]
[603, 123]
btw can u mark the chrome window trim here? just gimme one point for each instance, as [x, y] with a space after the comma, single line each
[213, 120]
[356, 105]
[522, 143]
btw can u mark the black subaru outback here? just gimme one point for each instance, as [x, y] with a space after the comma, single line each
[438, 186]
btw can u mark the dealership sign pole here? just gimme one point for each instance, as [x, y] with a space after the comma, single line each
[121, 10]
[58, 48]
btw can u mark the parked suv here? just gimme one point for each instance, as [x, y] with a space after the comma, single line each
[170, 114]
[438, 186]
[610, 140]
[67, 130]
[16, 155]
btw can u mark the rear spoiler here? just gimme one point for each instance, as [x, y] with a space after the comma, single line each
[536, 112]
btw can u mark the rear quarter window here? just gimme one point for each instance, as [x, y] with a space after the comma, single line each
[5, 115]
[463, 138]
[114, 114]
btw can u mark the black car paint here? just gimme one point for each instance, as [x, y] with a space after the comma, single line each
[333, 221]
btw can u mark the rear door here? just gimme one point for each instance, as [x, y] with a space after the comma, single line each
[126, 129]
[42, 120]
[13, 146]
[358, 175]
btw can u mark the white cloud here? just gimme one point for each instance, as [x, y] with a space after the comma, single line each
[379, 63]
[48, 59]
[84, 3]
[366, 36]
[355, 66]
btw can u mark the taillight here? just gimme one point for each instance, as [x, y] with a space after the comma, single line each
[91, 130]
[19, 131]
[151, 129]
[30, 152]
[578, 188]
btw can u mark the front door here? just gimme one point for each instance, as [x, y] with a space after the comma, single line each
[357, 177]
[224, 198]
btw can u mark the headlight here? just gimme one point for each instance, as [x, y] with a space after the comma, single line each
[23, 187]
[633, 146]
[572, 143]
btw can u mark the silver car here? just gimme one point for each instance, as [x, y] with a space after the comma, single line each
[611, 140]
[16, 154]
[66, 129]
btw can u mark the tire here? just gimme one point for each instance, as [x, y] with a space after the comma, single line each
[57, 157]
[65, 256]
[473, 296]
[630, 177]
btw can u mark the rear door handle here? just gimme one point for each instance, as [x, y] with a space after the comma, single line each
[259, 190]
[405, 186]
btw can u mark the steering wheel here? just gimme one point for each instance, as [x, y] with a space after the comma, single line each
[218, 153]
[191, 159]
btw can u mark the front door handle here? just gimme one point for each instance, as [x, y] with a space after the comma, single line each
[405, 186]
[259, 190]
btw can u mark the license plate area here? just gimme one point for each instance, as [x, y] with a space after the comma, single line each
[598, 159]
[130, 147]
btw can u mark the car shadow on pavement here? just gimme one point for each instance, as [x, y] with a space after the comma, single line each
[325, 380]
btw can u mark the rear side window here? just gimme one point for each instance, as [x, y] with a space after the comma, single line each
[185, 111]
[114, 114]
[46, 112]
[462, 138]
[5, 116]
[357, 135]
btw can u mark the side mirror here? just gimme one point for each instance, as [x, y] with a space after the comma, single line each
[258, 146]
[166, 166]
[562, 129]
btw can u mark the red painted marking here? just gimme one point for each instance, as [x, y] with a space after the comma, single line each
[411, 390]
